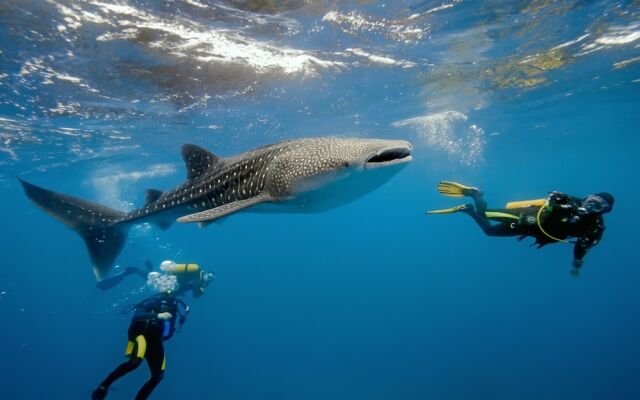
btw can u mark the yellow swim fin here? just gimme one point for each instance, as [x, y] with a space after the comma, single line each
[451, 210]
[455, 189]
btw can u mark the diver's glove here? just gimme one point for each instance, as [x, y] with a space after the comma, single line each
[165, 315]
[575, 271]
[100, 393]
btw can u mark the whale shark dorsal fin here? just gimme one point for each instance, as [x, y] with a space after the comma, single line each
[225, 209]
[198, 160]
[151, 195]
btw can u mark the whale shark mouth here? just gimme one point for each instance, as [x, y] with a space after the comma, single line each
[387, 157]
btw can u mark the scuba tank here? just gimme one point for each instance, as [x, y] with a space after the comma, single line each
[525, 203]
[172, 268]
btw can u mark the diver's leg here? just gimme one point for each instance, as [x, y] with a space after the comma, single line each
[499, 229]
[111, 281]
[135, 351]
[478, 199]
[121, 371]
[455, 189]
[137, 271]
[155, 359]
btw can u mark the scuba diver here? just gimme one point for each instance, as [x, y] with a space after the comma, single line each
[189, 277]
[153, 322]
[549, 220]
[113, 280]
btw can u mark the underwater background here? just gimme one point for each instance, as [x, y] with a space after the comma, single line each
[372, 300]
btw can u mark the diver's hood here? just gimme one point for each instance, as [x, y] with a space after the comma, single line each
[599, 203]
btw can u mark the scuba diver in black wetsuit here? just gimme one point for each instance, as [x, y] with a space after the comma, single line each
[549, 220]
[190, 277]
[154, 321]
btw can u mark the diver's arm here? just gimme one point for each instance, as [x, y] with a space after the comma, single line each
[153, 313]
[585, 243]
[165, 315]
[142, 315]
[150, 315]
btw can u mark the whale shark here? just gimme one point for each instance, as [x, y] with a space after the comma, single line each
[301, 176]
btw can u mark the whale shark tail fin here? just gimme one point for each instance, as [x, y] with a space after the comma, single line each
[98, 225]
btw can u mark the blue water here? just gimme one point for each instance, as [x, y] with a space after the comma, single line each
[372, 300]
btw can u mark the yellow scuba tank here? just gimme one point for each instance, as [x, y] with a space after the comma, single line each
[525, 203]
[181, 268]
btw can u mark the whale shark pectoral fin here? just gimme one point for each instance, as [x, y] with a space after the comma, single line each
[225, 209]
[218, 221]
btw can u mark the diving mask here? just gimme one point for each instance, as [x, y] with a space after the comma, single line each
[595, 205]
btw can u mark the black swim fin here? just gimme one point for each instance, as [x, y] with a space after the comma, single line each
[111, 281]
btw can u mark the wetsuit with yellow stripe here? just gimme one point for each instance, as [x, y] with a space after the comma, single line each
[146, 335]
[549, 220]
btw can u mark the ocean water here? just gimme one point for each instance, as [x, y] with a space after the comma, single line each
[371, 300]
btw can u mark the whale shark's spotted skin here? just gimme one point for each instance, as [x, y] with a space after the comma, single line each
[223, 182]
[272, 170]
[217, 187]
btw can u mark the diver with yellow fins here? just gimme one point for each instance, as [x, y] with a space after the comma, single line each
[154, 321]
[553, 219]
